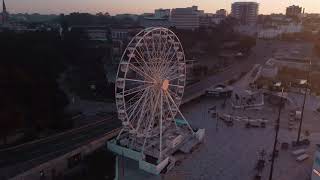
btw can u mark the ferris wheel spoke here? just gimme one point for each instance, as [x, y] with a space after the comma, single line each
[142, 59]
[165, 47]
[170, 51]
[173, 55]
[137, 60]
[136, 90]
[174, 85]
[136, 105]
[177, 108]
[171, 92]
[172, 71]
[140, 72]
[137, 80]
[171, 65]
[141, 50]
[162, 64]
[167, 53]
[161, 44]
[132, 99]
[170, 110]
[151, 122]
[150, 63]
[142, 112]
[147, 48]
[134, 118]
[172, 77]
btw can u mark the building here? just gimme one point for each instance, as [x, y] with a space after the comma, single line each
[210, 20]
[186, 18]
[162, 13]
[269, 33]
[160, 18]
[245, 12]
[4, 15]
[222, 12]
[278, 31]
[121, 36]
[94, 33]
[293, 10]
[155, 22]
[248, 30]
[277, 25]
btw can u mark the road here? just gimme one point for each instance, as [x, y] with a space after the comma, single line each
[260, 54]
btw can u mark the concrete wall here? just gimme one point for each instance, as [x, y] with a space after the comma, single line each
[60, 164]
[151, 168]
[112, 146]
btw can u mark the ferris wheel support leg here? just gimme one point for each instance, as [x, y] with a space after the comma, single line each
[143, 146]
[181, 113]
[150, 124]
[175, 123]
[142, 113]
[161, 120]
[121, 131]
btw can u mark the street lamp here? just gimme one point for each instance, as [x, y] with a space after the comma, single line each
[307, 83]
[277, 132]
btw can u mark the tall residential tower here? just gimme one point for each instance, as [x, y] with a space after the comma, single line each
[245, 12]
[293, 10]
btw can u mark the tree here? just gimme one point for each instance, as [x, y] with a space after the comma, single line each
[30, 96]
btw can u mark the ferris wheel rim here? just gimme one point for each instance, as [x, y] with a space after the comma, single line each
[145, 33]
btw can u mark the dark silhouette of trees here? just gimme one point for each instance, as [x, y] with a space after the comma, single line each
[246, 43]
[99, 19]
[30, 96]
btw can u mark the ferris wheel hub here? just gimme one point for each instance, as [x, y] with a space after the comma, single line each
[165, 85]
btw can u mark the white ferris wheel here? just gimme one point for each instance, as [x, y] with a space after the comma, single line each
[149, 88]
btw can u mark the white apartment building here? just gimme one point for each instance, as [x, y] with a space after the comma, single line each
[245, 12]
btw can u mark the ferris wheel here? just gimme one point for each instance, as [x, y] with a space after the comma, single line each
[149, 87]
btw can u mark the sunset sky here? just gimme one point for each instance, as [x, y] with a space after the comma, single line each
[140, 6]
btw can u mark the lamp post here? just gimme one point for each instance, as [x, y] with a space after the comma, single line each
[277, 132]
[304, 102]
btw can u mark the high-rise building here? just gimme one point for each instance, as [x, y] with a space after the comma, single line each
[245, 12]
[4, 14]
[221, 12]
[293, 10]
[186, 18]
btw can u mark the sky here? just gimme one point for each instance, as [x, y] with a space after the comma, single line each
[141, 6]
